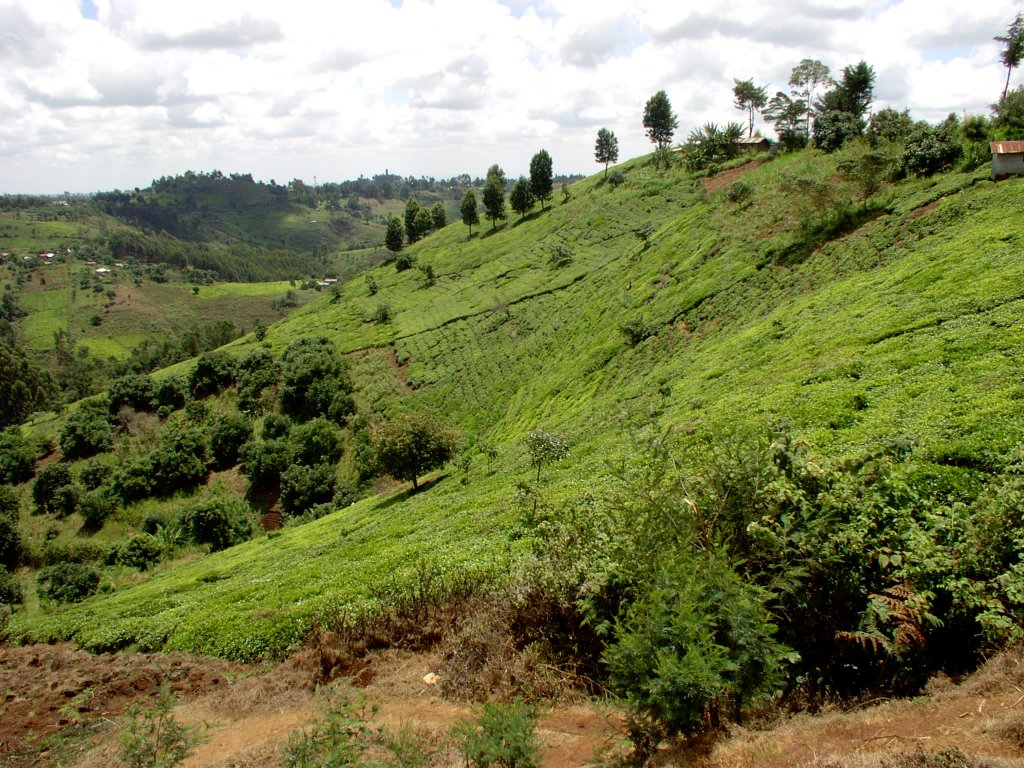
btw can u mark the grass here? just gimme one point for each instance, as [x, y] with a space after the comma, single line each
[905, 327]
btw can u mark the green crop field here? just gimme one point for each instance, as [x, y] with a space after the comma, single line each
[652, 303]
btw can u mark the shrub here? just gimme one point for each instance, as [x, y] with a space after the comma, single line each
[93, 474]
[544, 448]
[67, 582]
[96, 506]
[134, 479]
[275, 425]
[213, 372]
[86, 431]
[636, 331]
[834, 129]
[10, 539]
[257, 372]
[615, 178]
[501, 735]
[739, 192]
[342, 408]
[139, 552]
[303, 487]
[65, 500]
[316, 442]
[228, 434]
[48, 480]
[263, 462]
[382, 314]
[931, 150]
[170, 393]
[412, 444]
[218, 521]
[17, 457]
[153, 738]
[312, 372]
[698, 639]
[403, 262]
[339, 738]
[135, 391]
[10, 589]
[180, 461]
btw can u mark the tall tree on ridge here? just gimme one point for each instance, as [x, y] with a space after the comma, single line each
[749, 98]
[541, 181]
[494, 195]
[1013, 49]
[606, 150]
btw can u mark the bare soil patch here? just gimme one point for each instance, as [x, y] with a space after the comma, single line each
[725, 178]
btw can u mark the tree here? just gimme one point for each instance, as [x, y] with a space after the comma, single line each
[841, 110]
[659, 120]
[412, 444]
[521, 198]
[438, 216]
[806, 78]
[749, 98]
[494, 195]
[394, 237]
[470, 215]
[788, 116]
[412, 209]
[1013, 49]
[86, 431]
[541, 182]
[606, 150]
[545, 448]
[1009, 116]
[423, 223]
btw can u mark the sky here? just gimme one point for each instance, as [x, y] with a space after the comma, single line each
[111, 94]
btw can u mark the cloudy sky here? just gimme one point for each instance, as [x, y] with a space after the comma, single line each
[104, 94]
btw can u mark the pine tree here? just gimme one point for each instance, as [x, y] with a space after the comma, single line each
[606, 150]
[494, 195]
[470, 215]
[541, 182]
[522, 199]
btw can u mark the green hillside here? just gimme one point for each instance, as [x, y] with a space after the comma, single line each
[855, 326]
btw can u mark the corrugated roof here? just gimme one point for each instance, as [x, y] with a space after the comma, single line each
[1007, 147]
[751, 140]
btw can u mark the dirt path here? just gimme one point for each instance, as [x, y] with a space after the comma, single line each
[63, 706]
[725, 178]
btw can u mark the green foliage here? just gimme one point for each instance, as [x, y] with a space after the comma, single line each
[93, 474]
[617, 177]
[86, 431]
[257, 372]
[1009, 116]
[180, 463]
[134, 479]
[606, 148]
[468, 210]
[889, 125]
[382, 314]
[394, 236]
[660, 121]
[228, 433]
[263, 462]
[494, 195]
[1013, 48]
[708, 146]
[303, 487]
[65, 500]
[153, 737]
[10, 589]
[170, 393]
[17, 456]
[10, 538]
[412, 226]
[438, 216]
[275, 425]
[500, 735]
[134, 391]
[739, 192]
[404, 262]
[412, 444]
[749, 98]
[833, 129]
[218, 522]
[213, 372]
[316, 442]
[67, 582]
[312, 373]
[545, 448]
[48, 480]
[337, 739]
[95, 506]
[139, 551]
[697, 641]
[541, 182]
[636, 330]
[521, 198]
[929, 150]
[789, 116]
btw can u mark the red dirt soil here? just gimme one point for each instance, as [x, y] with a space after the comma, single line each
[63, 706]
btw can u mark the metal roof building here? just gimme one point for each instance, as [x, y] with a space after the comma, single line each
[1007, 159]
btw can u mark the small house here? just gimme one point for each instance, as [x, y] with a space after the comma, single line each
[102, 271]
[1007, 159]
[753, 144]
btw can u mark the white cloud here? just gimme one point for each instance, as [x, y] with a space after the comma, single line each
[433, 87]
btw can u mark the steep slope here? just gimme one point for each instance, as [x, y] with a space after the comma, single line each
[858, 325]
